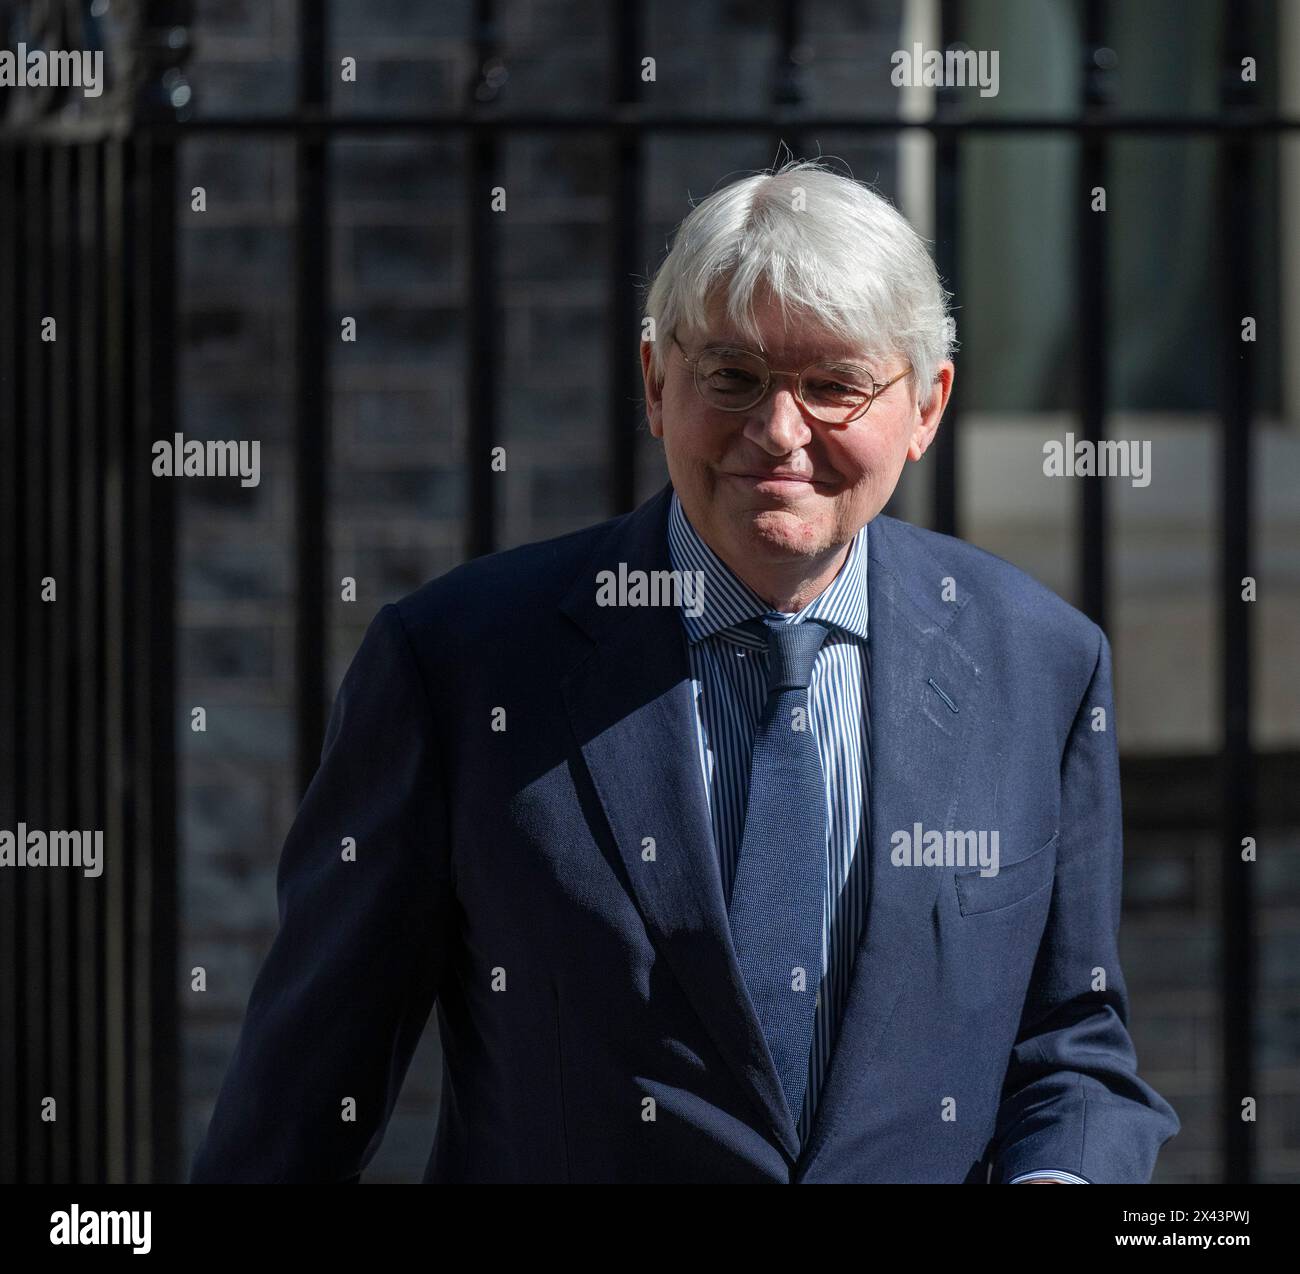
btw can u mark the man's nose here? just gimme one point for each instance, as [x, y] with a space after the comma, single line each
[778, 424]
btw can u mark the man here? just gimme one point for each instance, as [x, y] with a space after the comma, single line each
[752, 836]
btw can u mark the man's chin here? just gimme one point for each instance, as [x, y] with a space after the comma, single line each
[783, 533]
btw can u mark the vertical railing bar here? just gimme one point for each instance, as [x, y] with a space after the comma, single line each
[134, 863]
[14, 601]
[788, 79]
[1236, 510]
[482, 284]
[313, 399]
[158, 1067]
[117, 671]
[24, 320]
[107, 746]
[1092, 290]
[152, 748]
[89, 694]
[35, 810]
[105, 749]
[947, 235]
[63, 615]
[624, 328]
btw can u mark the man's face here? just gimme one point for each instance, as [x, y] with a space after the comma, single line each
[774, 484]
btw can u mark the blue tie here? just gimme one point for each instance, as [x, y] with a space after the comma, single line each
[778, 896]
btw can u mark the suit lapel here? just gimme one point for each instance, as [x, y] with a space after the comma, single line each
[631, 708]
[918, 745]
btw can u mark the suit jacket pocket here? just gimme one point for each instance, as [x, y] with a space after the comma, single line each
[1013, 883]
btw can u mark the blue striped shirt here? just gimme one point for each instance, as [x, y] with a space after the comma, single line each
[729, 678]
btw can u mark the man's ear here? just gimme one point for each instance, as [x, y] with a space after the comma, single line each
[654, 392]
[926, 424]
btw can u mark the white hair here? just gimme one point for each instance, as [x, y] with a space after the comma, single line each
[828, 247]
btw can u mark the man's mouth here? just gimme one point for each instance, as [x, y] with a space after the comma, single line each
[774, 483]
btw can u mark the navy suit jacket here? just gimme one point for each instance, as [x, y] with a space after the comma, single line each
[553, 887]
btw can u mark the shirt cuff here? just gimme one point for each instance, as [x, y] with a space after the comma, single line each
[1049, 1174]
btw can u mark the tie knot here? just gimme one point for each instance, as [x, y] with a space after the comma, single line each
[791, 652]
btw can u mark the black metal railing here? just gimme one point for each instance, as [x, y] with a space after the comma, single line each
[89, 1057]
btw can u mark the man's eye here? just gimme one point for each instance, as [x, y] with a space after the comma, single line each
[732, 377]
[837, 389]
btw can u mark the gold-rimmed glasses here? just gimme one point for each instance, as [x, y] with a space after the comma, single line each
[832, 390]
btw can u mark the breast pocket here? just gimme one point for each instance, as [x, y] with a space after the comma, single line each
[1014, 882]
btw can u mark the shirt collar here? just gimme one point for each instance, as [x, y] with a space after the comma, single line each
[728, 601]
